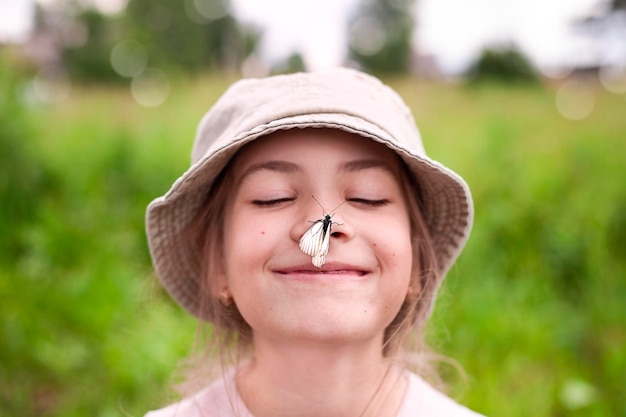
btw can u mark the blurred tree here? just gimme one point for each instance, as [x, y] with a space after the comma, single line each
[603, 14]
[507, 64]
[380, 35]
[89, 59]
[189, 34]
[185, 36]
[616, 5]
[605, 24]
[293, 63]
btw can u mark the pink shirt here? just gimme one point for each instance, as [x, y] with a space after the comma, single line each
[222, 400]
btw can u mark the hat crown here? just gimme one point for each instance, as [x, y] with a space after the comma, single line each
[255, 103]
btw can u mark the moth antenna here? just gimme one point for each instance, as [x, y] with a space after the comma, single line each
[318, 203]
[324, 210]
[340, 204]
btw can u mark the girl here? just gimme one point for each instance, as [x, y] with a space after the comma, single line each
[311, 232]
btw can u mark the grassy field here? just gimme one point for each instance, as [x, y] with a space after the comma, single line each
[534, 311]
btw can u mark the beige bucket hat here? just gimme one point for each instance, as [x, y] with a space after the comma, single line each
[341, 99]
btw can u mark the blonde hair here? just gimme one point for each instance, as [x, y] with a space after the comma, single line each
[228, 337]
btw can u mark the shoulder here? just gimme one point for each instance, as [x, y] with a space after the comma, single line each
[218, 400]
[422, 400]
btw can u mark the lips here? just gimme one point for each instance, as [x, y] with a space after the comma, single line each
[329, 271]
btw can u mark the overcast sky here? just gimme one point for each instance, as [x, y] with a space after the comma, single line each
[453, 31]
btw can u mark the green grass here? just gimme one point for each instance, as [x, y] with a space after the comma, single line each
[533, 311]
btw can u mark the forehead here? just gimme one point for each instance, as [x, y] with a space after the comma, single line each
[315, 146]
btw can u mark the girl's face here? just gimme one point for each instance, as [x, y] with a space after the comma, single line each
[359, 290]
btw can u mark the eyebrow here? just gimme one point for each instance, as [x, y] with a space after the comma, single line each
[291, 168]
[362, 164]
[275, 166]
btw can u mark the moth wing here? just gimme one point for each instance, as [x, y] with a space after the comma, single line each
[318, 260]
[312, 240]
[320, 257]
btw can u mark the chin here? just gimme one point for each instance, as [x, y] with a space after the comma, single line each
[334, 327]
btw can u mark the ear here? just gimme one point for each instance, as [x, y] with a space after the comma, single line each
[415, 289]
[218, 284]
[216, 276]
[225, 297]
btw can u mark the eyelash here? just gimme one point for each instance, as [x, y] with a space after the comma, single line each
[268, 203]
[364, 201]
[371, 203]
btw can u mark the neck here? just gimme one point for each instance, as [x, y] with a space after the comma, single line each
[314, 380]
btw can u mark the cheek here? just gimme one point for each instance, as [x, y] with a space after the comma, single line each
[396, 263]
[392, 244]
[241, 242]
[248, 241]
[399, 259]
[393, 240]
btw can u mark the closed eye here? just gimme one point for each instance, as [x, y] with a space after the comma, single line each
[368, 202]
[272, 202]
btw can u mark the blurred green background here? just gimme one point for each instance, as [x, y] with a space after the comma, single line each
[534, 311]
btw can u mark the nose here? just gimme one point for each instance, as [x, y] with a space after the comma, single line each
[338, 228]
[341, 228]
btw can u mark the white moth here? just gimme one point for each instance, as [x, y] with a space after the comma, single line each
[316, 241]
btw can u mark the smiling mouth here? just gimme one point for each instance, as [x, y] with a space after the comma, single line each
[328, 272]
